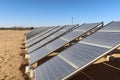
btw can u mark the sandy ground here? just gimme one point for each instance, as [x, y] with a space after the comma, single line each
[11, 54]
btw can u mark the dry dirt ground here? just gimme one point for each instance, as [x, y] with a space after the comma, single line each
[11, 54]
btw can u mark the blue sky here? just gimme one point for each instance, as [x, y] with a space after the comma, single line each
[57, 12]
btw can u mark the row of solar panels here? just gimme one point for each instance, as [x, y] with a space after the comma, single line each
[88, 44]
[36, 31]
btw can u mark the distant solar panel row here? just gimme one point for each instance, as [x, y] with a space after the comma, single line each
[78, 56]
[41, 34]
[36, 31]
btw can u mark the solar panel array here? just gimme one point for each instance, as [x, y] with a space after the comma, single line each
[76, 57]
[32, 42]
[40, 41]
[56, 44]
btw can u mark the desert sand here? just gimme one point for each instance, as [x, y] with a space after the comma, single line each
[11, 55]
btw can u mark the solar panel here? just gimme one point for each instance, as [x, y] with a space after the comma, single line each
[72, 35]
[102, 38]
[33, 48]
[36, 32]
[39, 35]
[58, 33]
[40, 30]
[56, 44]
[33, 32]
[116, 25]
[88, 26]
[54, 69]
[43, 37]
[77, 32]
[69, 27]
[38, 54]
[80, 54]
[58, 41]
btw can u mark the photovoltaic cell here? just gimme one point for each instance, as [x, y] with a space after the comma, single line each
[39, 30]
[104, 38]
[72, 35]
[79, 31]
[80, 54]
[33, 48]
[32, 31]
[56, 44]
[88, 26]
[42, 52]
[58, 33]
[46, 40]
[35, 32]
[54, 69]
[68, 27]
[42, 37]
[39, 35]
[115, 25]
[38, 54]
